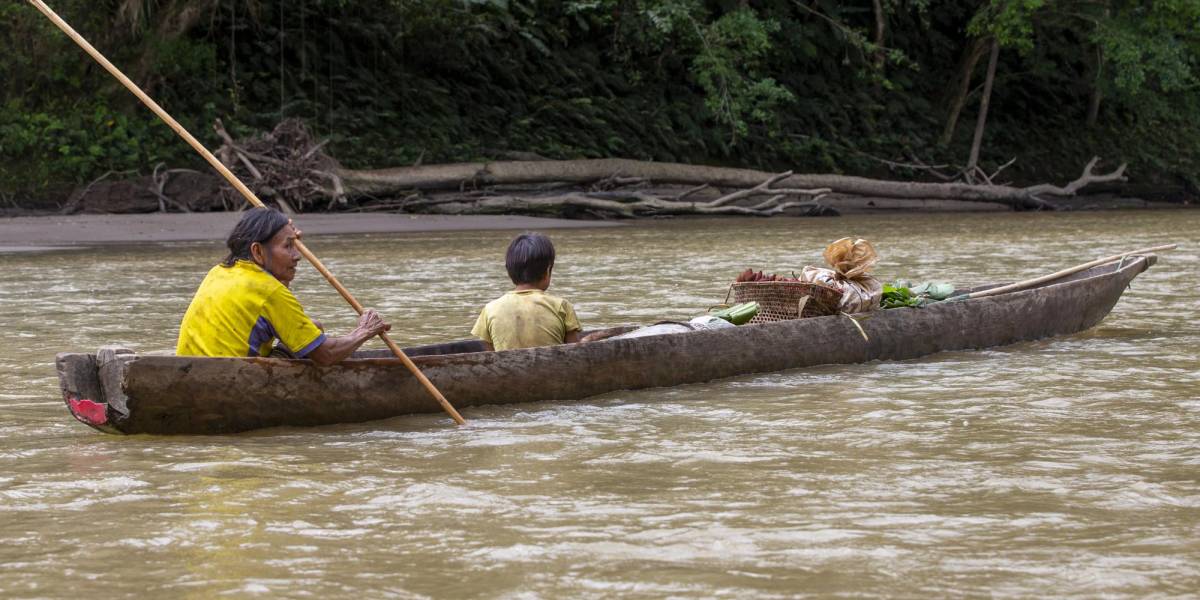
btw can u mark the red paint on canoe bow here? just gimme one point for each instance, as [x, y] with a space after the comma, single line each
[89, 412]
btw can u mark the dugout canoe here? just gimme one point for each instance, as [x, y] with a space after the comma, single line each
[117, 391]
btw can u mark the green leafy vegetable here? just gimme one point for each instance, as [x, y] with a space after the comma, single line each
[902, 294]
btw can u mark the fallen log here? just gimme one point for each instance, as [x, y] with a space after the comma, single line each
[607, 198]
[629, 206]
[462, 176]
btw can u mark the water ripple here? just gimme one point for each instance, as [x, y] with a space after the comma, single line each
[1064, 467]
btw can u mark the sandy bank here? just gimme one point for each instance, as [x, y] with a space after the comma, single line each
[36, 233]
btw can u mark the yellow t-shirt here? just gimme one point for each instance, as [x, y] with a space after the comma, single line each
[239, 311]
[525, 319]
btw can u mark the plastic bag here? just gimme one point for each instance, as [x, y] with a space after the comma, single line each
[701, 323]
[710, 322]
[657, 329]
[850, 260]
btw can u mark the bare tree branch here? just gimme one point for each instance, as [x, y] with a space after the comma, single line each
[1088, 177]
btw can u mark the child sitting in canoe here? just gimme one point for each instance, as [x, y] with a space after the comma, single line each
[527, 316]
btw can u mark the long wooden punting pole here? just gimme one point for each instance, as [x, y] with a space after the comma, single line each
[245, 191]
[1020, 285]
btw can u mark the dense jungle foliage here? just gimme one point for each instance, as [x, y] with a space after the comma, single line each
[810, 85]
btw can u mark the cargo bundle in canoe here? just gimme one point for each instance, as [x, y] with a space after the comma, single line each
[117, 391]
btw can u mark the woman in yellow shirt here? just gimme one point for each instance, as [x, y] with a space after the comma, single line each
[244, 304]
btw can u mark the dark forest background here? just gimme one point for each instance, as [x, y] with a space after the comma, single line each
[810, 85]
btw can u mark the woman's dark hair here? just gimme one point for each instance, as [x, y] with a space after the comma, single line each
[257, 225]
[528, 258]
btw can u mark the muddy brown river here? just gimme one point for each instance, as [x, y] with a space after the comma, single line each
[1063, 467]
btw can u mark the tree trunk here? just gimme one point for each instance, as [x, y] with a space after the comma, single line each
[966, 66]
[1094, 107]
[981, 122]
[880, 32]
[1097, 93]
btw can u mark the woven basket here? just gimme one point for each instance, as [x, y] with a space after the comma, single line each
[785, 300]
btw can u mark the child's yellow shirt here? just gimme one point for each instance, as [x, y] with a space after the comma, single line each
[525, 319]
[240, 311]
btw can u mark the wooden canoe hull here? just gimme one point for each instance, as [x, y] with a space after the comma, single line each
[120, 392]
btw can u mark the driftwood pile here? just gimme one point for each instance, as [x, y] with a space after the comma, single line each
[287, 167]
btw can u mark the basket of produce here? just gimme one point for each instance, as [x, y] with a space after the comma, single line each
[782, 299]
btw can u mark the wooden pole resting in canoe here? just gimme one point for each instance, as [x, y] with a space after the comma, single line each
[240, 187]
[1028, 283]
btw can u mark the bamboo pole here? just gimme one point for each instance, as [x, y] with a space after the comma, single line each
[1020, 285]
[245, 191]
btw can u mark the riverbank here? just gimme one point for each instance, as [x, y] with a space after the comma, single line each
[39, 233]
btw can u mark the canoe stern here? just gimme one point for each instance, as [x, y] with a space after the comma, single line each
[92, 386]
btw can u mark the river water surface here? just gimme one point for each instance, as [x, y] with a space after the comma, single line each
[1064, 467]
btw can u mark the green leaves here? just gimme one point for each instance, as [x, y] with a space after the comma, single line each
[1011, 22]
[1150, 50]
[728, 68]
[900, 294]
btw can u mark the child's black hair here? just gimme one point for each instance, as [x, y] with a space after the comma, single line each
[528, 258]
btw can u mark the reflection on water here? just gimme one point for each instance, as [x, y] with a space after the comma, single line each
[1065, 466]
